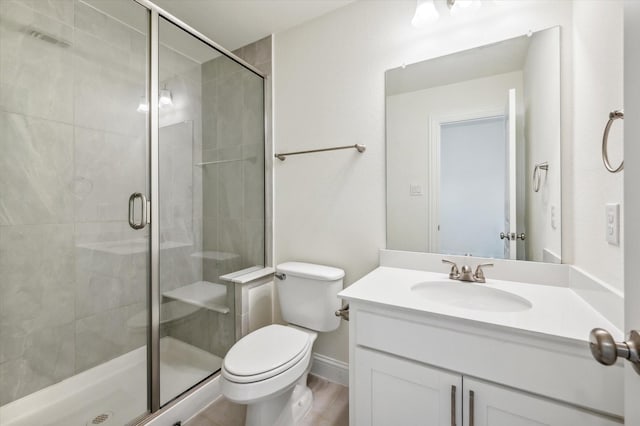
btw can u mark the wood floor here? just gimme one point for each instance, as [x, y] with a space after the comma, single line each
[330, 408]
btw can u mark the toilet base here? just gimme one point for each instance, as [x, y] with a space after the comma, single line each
[286, 409]
[301, 402]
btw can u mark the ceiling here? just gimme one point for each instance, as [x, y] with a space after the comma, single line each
[236, 23]
[499, 58]
[229, 23]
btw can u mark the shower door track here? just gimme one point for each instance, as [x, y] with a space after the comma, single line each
[153, 342]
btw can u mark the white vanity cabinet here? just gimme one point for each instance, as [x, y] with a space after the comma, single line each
[410, 369]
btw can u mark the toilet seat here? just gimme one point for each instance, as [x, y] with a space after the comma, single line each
[265, 353]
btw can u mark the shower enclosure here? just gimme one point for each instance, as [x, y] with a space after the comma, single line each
[131, 179]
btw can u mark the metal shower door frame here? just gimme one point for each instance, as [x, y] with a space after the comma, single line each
[153, 121]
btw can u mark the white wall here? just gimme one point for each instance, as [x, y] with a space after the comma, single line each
[407, 119]
[598, 89]
[542, 122]
[329, 90]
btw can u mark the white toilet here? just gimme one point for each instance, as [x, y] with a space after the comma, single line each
[267, 369]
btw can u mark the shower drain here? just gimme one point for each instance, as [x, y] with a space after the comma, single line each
[101, 419]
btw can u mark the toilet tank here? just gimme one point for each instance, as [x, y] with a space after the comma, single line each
[308, 294]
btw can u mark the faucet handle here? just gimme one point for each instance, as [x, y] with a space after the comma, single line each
[454, 273]
[478, 276]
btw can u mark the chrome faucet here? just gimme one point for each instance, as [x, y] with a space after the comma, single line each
[465, 274]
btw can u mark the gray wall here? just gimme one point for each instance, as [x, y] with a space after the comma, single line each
[73, 150]
[73, 274]
[233, 191]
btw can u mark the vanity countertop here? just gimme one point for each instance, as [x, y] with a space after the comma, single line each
[556, 311]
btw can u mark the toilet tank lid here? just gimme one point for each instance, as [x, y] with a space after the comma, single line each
[311, 270]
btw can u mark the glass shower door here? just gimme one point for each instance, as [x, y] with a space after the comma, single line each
[73, 272]
[211, 202]
[77, 266]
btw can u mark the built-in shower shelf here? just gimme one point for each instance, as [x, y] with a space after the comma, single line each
[219, 256]
[231, 160]
[203, 294]
[208, 163]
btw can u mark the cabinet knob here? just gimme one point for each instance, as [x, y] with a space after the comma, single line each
[607, 351]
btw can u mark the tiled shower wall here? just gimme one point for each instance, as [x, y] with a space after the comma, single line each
[73, 274]
[73, 148]
[233, 187]
[180, 186]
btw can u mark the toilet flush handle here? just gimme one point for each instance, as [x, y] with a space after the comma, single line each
[281, 276]
[343, 313]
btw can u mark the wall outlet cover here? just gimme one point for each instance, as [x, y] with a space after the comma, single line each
[613, 223]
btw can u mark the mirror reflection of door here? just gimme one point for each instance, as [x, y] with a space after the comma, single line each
[476, 196]
[510, 209]
[473, 187]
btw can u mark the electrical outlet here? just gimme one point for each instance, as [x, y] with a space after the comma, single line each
[613, 223]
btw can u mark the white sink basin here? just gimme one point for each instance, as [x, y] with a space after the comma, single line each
[474, 296]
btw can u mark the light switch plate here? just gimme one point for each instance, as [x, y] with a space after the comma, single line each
[415, 189]
[613, 223]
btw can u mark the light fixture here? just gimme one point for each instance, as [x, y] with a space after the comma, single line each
[143, 106]
[165, 98]
[425, 13]
[461, 6]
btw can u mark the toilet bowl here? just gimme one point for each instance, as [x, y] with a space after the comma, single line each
[263, 370]
[267, 369]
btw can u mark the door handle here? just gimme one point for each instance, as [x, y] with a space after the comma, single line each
[607, 351]
[143, 214]
[513, 236]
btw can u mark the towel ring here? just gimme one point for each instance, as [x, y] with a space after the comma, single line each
[536, 175]
[613, 116]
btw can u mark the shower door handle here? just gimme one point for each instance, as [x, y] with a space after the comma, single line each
[143, 209]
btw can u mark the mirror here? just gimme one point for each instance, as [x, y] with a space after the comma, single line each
[473, 151]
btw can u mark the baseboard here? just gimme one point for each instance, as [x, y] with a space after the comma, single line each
[331, 369]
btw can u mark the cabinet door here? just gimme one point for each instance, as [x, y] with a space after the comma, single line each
[493, 405]
[395, 391]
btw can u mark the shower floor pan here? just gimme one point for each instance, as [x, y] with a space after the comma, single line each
[113, 393]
